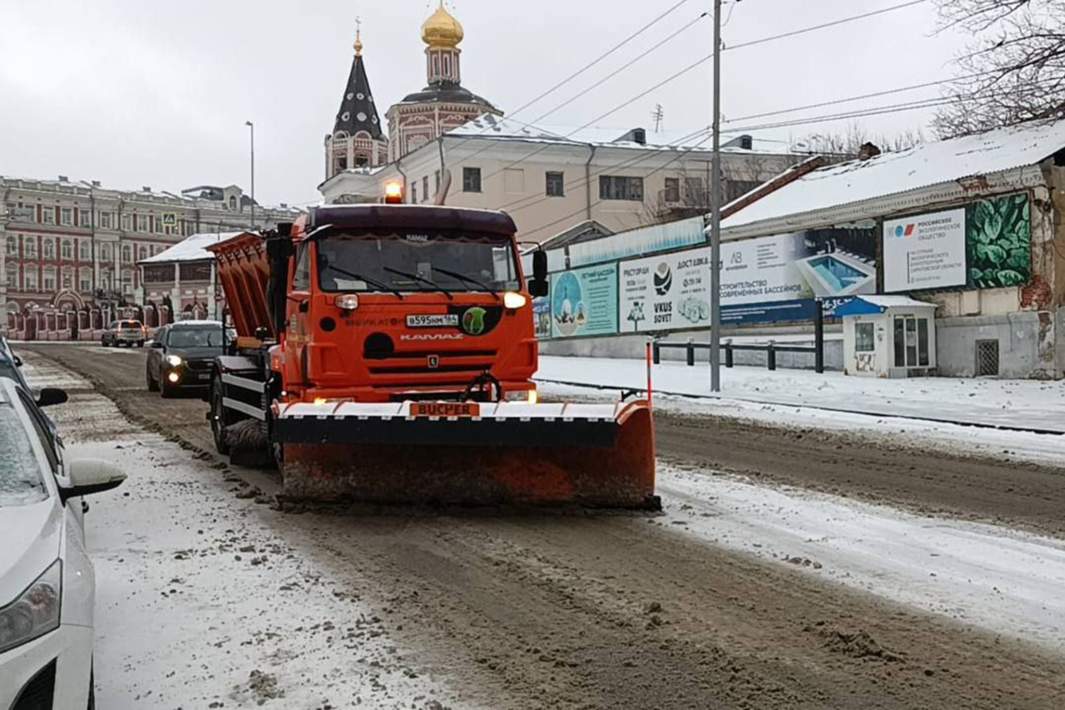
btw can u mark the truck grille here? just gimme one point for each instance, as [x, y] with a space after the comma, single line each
[461, 365]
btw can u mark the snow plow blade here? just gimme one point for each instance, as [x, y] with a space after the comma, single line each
[599, 456]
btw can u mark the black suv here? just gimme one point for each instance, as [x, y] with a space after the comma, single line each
[181, 354]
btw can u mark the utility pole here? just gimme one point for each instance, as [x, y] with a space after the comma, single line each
[715, 216]
[251, 125]
[657, 115]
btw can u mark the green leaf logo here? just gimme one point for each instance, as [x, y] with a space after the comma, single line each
[473, 321]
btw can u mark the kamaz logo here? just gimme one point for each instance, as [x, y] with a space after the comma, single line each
[431, 337]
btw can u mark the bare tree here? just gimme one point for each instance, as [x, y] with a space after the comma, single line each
[1015, 69]
[846, 144]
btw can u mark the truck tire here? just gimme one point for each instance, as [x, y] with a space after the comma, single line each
[218, 417]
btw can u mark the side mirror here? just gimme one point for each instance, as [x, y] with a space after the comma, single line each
[155, 344]
[89, 476]
[538, 282]
[18, 361]
[49, 396]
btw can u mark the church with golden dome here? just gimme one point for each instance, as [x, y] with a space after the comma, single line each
[358, 139]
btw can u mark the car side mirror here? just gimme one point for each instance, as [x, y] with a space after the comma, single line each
[18, 361]
[89, 476]
[49, 396]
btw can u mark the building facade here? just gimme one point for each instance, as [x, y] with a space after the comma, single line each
[550, 180]
[70, 245]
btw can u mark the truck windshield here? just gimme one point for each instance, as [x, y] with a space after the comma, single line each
[416, 262]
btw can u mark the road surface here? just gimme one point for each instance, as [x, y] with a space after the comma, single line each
[590, 611]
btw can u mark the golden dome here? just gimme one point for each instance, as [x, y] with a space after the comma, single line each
[442, 29]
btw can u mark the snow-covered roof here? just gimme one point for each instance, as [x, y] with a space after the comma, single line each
[192, 248]
[923, 166]
[497, 128]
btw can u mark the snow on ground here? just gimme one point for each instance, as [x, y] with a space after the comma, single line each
[990, 402]
[201, 604]
[993, 577]
[44, 373]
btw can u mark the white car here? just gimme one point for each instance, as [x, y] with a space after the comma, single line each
[47, 586]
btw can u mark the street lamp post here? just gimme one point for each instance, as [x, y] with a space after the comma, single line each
[251, 126]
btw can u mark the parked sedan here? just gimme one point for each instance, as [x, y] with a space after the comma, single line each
[182, 354]
[124, 332]
[47, 585]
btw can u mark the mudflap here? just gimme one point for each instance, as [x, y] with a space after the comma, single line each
[586, 456]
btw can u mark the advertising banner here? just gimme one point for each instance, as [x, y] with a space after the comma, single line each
[925, 252]
[542, 317]
[765, 280]
[585, 302]
[999, 242]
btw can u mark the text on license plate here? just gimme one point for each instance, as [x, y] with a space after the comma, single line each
[445, 409]
[445, 320]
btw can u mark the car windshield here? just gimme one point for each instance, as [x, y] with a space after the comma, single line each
[204, 337]
[416, 262]
[20, 473]
[128, 324]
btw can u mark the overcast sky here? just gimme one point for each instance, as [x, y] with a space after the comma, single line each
[156, 93]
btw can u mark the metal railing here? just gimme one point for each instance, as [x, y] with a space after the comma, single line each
[729, 349]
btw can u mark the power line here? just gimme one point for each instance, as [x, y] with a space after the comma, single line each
[825, 25]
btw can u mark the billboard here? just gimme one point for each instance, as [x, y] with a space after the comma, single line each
[584, 302]
[999, 242]
[764, 280]
[925, 252]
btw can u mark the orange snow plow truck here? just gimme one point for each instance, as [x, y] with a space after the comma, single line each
[386, 354]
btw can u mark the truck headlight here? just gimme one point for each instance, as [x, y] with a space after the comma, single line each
[35, 612]
[514, 301]
[173, 360]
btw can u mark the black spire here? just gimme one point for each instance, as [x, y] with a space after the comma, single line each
[357, 109]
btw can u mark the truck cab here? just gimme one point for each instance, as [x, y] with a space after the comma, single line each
[390, 303]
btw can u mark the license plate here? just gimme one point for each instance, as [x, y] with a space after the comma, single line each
[463, 410]
[203, 376]
[447, 320]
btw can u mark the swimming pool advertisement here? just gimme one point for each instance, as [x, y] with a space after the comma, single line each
[584, 302]
[770, 279]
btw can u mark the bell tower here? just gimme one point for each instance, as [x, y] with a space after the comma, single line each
[357, 140]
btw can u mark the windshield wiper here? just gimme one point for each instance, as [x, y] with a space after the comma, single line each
[467, 279]
[422, 279]
[360, 277]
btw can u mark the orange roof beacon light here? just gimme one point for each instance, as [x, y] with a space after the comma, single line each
[393, 193]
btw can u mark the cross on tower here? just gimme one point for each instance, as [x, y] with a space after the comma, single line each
[358, 36]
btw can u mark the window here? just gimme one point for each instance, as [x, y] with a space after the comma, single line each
[48, 248]
[47, 215]
[105, 252]
[105, 220]
[29, 278]
[556, 184]
[43, 431]
[514, 181]
[436, 181]
[142, 223]
[425, 188]
[694, 192]
[613, 187]
[84, 218]
[29, 246]
[127, 254]
[864, 337]
[12, 275]
[414, 193]
[127, 281]
[68, 279]
[127, 222]
[911, 342]
[85, 250]
[922, 342]
[66, 216]
[67, 250]
[471, 179]
[301, 279]
[142, 253]
[85, 281]
[49, 279]
[12, 246]
[672, 191]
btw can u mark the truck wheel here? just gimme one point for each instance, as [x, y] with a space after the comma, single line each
[153, 386]
[218, 417]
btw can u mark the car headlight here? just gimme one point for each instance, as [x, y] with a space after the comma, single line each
[35, 612]
[173, 360]
[514, 301]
